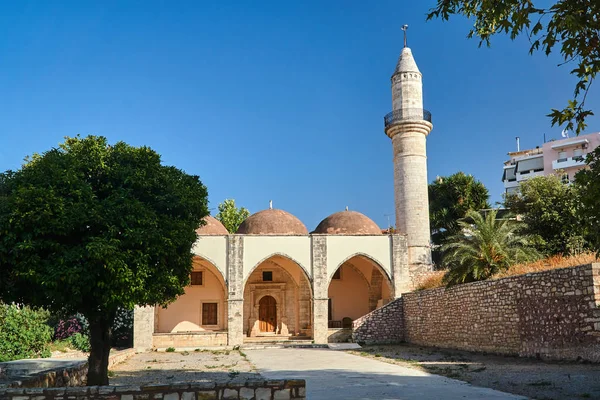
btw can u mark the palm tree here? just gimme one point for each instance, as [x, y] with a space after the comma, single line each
[483, 247]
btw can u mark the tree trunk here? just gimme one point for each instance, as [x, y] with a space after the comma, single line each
[100, 340]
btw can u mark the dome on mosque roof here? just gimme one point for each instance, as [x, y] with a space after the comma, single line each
[212, 226]
[272, 222]
[348, 223]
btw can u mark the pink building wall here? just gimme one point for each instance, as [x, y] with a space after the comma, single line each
[570, 145]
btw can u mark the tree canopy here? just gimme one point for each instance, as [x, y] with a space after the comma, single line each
[483, 247]
[587, 182]
[450, 199]
[231, 216]
[571, 25]
[548, 208]
[90, 227]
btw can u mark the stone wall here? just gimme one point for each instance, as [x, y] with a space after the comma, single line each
[52, 372]
[383, 325]
[257, 390]
[551, 314]
[195, 339]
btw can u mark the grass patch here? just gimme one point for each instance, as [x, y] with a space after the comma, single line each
[434, 279]
[60, 345]
[431, 280]
[111, 374]
[170, 350]
[540, 383]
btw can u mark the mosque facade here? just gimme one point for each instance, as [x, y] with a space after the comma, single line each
[275, 280]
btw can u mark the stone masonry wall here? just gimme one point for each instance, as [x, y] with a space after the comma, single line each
[257, 390]
[551, 314]
[384, 325]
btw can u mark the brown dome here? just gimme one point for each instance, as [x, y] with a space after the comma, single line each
[212, 226]
[272, 222]
[348, 223]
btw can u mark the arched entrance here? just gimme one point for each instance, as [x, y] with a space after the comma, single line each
[357, 287]
[267, 314]
[278, 299]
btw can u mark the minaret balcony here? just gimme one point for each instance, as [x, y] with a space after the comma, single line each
[407, 114]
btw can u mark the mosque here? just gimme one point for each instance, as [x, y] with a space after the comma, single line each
[275, 280]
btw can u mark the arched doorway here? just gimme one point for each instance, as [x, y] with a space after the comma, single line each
[357, 287]
[278, 299]
[267, 314]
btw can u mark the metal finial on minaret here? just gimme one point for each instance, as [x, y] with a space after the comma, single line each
[346, 208]
[270, 204]
[404, 28]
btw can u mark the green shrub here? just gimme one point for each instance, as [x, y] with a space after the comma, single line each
[80, 342]
[24, 333]
[170, 350]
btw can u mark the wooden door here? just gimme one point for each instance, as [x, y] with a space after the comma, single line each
[267, 314]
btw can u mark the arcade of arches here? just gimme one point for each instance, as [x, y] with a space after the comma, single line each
[273, 279]
[277, 299]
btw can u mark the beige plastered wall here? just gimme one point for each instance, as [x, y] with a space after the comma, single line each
[184, 314]
[214, 250]
[341, 248]
[260, 248]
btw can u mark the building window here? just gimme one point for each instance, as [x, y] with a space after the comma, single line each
[337, 274]
[577, 153]
[197, 278]
[562, 156]
[565, 178]
[209, 314]
[267, 276]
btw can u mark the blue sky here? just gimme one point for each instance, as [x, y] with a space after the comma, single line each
[270, 100]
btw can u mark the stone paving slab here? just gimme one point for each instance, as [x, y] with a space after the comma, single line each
[344, 346]
[335, 375]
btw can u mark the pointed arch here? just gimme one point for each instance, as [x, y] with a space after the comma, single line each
[370, 258]
[304, 270]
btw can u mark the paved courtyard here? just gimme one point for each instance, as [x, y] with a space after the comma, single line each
[334, 375]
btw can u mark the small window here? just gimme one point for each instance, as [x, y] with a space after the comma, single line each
[577, 153]
[337, 274]
[267, 276]
[209, 313]
[197, 278]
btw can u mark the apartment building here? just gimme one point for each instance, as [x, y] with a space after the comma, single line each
[564, 157]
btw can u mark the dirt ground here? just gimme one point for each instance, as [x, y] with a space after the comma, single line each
[227, 366]
[532, 378]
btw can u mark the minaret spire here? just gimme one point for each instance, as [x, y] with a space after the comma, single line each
[404, 28]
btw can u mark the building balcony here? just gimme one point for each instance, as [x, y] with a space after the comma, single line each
[510, 183]
[563, 163]
[406, 114]
[522, 176]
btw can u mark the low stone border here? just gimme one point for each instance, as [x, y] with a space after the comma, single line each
[61, 377]
[251, 390]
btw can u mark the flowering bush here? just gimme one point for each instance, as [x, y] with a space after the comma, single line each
[67, 328]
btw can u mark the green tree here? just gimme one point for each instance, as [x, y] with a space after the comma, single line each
[573, 25]
[483, 247]
[90, 227]
[587, 182]
[231, 216]
[450, 199]
[548, 208]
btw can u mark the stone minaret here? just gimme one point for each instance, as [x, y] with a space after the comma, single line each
[408, 126]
